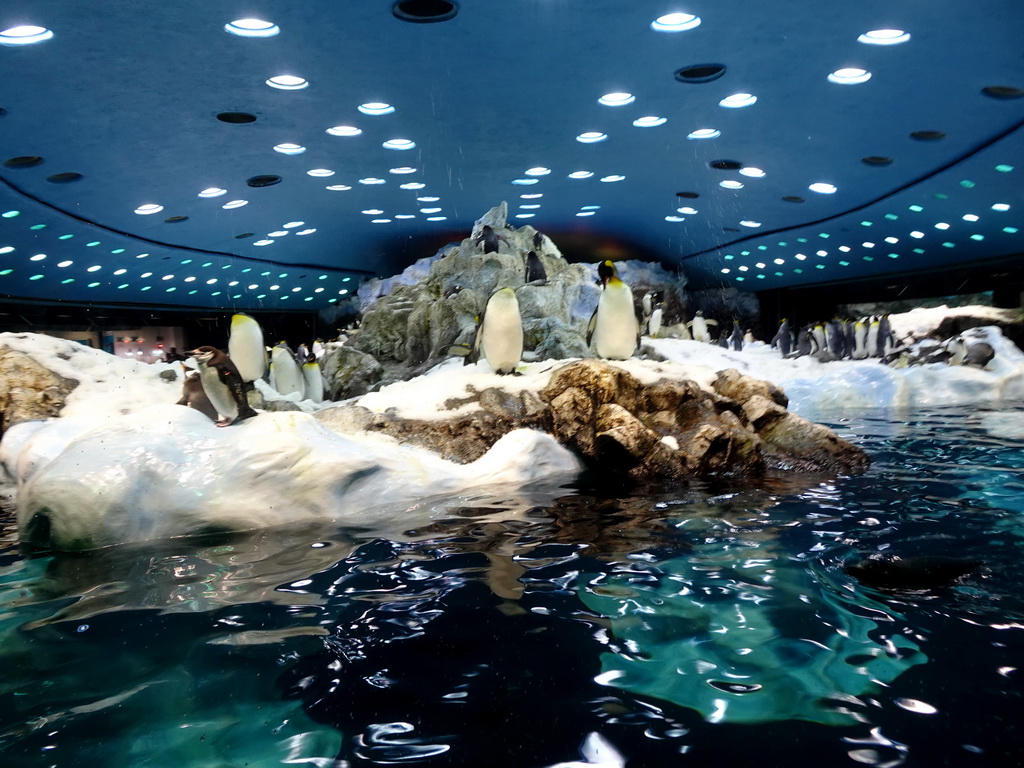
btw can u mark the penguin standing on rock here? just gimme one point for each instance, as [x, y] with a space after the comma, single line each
[614, 329]
[535, 269]
[499, 333]
[223, 385]
[489, 239]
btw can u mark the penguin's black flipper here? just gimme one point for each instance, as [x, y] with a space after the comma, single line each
[474, 347]
[591, 326]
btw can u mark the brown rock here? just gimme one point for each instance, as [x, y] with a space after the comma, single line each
[734, 385]
[28, 390]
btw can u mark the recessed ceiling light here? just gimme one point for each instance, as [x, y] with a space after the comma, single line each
[884, 37]
[524, 182]
[590, 207]
[704, 133]
[148, 208]
[917, 234]
[438, 218]
[372, 180]
[585, 213]
[613, 177]
[674, 218]
[399, 144]
[538, 171]
[581, 174]
[650, 121]
[262, 242]
[213, 192]
[252, 28]
[616, 99]
[68, 263]
[532, 196]
[309, 231]
[402, 170]
[675, 22]
[24, 35]
[235, 204]
[288, 82]
[849, 76]
[405, 216]
[1001, 207]
[970, 217]
[738, 100]
[591, 137]
[754, 173]
[430, 210]
[278, 233]
[412, 185]
[380, 221]
[37, 257]
[375, 108]
[338, 187]
[752, 224]
[320, 172]
[529, 206]
[942, 225]
[344, 130]
[293, 224]
[822, 188]
[525, 215]
[372, 211]
[1003, 168]
[428, 199]
[687, 211]
[731, 184]
[289, 149]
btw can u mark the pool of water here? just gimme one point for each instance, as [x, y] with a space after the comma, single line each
[714, 623]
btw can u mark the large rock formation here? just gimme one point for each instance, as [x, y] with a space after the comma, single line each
[28, 390]
[669, 428]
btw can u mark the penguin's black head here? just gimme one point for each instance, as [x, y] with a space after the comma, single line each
[205, 354]
[606, 271]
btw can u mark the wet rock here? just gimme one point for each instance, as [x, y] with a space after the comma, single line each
[347, 372]
[28, 390]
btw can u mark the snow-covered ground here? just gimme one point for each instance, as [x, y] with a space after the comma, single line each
[126, 464]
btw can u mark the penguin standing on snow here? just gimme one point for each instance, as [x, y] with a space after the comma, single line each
[699, 327]
[614, 328]
[194, 396]
[783, 339]
[499, 333]
[223, 385]
[736, 337]
[246, 348]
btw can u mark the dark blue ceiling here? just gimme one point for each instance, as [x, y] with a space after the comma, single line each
[129, 98]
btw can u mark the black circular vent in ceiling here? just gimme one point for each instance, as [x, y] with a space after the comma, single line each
[25, 161]
[688, 195]
[264, 181]
[236, 117]
[3, 111]
[424, 11]
[244, 235]
[64, 178]
[700, 73]
[927, 135]
[726, 165]
[793, 199]
[175, 219]
[877, 160]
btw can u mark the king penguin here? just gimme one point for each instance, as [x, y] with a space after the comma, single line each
[286, 376]
[223, 385]
[313, 378]
[614, 329]
[245, 347]
[499, 334]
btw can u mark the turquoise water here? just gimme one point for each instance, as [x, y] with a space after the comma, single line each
[708, 624]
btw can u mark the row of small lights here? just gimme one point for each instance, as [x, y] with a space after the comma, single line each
[891, 240]
[39, 257]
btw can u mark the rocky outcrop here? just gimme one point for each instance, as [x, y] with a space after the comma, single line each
[672, 428]
[347, 372]
[28, 390]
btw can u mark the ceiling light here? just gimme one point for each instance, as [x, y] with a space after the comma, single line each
[68, 263]
[687, 211]
[704, 133]
[252, 28]
[288, 82]
[438, 218]
[337, 187]
[738, 100]
[849, 76]
[429, 199]
[375, 108]
[1000, 207]
[674, 218]
[320, 172]
[430, 210]
[24, 35]
[884, 37]
[289, 149]
[649, 121]
[262, 242]
[581, 174]
[538, 171]
[37, 257]
[405, 216]
[613, 177]
[590, 208]
[822, 188]
[585, 213]
[278, 233]
[675, 22]
[148, 208]
[380, 221]
[532, 196]
[213, 192]
[372, 180]
[754, 173]
[524, 182]
[412, 185]
[942, 225]
[800, 256]
[616, 99]
[309, 231]
[344, 130]
[293, 224]
[525, 215]
[591, 137]
[528, 207]
[730, 184]
[402, 170]
[751, 224]
[970, 217]
[373, 211]
[398, 144]
[916, 234]
[235, 204]
[780, 261]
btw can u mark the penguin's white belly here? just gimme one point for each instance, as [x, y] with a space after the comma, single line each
[218, 393]
[616, 328]
[314, 381]
[245, 347]
[502, 340]
[654, 327]
[288, 378]
[700, 330]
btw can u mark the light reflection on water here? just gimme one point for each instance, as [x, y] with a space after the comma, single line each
[714, 621]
